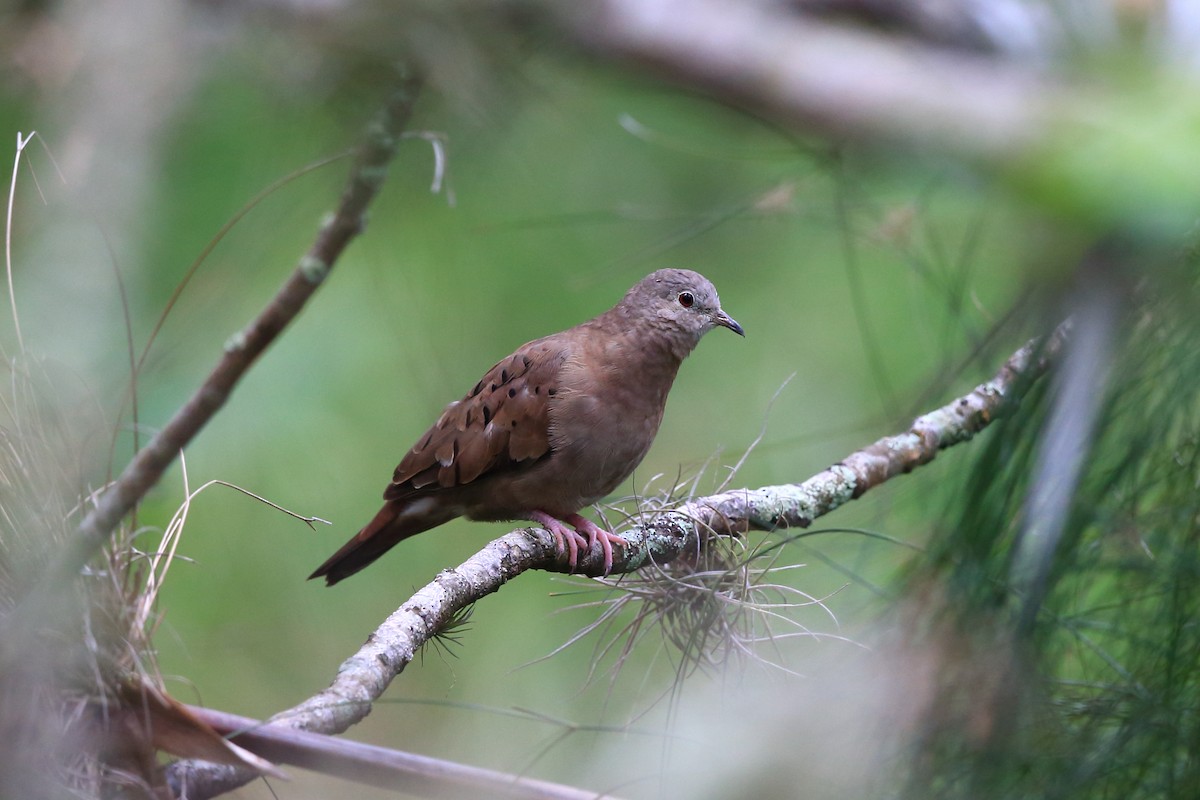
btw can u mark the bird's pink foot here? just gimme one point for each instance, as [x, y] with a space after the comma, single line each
[564, 537]
[596, 533]
[573, 540]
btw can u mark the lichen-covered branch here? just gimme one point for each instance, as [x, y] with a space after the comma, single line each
[661, 537]
[796, 505]
[241, 350]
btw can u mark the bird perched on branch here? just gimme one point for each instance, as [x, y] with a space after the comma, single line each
[552, 428]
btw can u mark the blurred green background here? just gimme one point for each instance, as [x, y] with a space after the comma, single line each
[875, 278]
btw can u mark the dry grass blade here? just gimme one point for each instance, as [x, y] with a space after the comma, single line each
[82, 708]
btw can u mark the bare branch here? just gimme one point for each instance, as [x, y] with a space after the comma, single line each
[832, 77]
[363, 677]
[371, 765]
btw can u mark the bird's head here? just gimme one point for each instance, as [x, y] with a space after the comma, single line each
[679, 304]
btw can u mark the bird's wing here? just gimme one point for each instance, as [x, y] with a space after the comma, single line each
[503, 423]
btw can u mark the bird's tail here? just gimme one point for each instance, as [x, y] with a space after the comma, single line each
[393, 523]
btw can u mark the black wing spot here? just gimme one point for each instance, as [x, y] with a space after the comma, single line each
[526, 361]
[537, 389]
[492, 388]
[478, 388]
[487, 415]
[552, 392]
[512, 392]
[503, 376]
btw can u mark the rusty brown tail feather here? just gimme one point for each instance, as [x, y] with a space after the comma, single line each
[380, 535]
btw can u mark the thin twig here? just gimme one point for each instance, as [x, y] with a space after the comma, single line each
[243, 348]
[217, 238]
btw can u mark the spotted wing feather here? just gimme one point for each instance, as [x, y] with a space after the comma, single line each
[503, 423]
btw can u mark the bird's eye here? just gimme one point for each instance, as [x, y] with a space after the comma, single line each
[686, 299]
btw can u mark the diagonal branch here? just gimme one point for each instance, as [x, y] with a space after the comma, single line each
[375, 766]
[240, 352]
[363, 677]
[831, 77]
[798, 505]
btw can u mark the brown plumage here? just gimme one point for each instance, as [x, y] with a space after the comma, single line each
[550, 429]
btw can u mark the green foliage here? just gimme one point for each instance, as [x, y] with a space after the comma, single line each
[1101, 698]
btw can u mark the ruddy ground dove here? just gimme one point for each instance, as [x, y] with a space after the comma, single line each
[552, 428]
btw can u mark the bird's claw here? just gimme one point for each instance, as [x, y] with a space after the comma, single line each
[564, 538]
[573, 540]
[597, 534]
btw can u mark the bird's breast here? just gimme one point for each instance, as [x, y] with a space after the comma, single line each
[605, 417]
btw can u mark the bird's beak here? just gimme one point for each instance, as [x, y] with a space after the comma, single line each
[726, 321]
